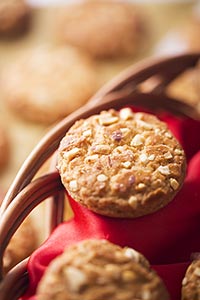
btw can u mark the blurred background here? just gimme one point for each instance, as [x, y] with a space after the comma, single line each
[54, 55]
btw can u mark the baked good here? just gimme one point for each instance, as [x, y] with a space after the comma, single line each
[186, 87]
[190, 33]
[14, 16]
[21, 245]
[191, 282]
[121, 164]
[102, 28]
[98, 269]
[46, 83]
[4, 148]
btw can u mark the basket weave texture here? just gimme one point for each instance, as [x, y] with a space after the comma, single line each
[26, 193]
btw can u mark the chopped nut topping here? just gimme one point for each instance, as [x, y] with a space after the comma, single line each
[133, 201]
[151, 157]
[101, 149]
[126, 164]
[146, 295]
[87, 133]
[108, 120]
[137, 140]
[168, 155]
[124, 131]
[128, 275]
[143, 157]
[141, 186]
[75, 277]
[91, 157]
[197, 272]
[174, 183]
[178, 151]
[145, 125]
[73, 185]
[131, 253]
[184, 281]
[69, 155]
[102, 177]
[164, 170]
[126, 113]
[167, 134]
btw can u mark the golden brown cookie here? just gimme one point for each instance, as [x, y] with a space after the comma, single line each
[121, 164]
[22, 244]
[102, 28]
[186, 87]
[98, 269]
[14, 16]
[4, 148]
[191, 282]
[47, 83]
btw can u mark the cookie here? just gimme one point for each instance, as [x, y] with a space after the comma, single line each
[4, 148]
[191, 282]
[14, 16]
[190, 34]
[21, 245]
[121, 164]
[104, 29]
[98, 269]
[186, 87]
[47, 83]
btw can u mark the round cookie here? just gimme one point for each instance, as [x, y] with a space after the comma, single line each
[98, 269]
[21, 245]
[191, 282]
[47, 83]
[4, 148]
[102, 28]
[121, 164]
[14, 16]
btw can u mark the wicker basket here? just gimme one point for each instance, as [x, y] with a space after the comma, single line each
[26, 193]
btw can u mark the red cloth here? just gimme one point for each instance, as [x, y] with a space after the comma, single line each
[167, 237]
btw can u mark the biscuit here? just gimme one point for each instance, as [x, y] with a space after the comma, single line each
[191, 282]
[190, 34]
[104, 29]
[4, 148]
[47, 83]
[186, 87]
[14, 16]
[22, 244]
[121, 164]
[98, 269]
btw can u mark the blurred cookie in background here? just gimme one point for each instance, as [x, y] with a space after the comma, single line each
[14, 17]
[46, 83]
[104, 29]
[186, 87]
[21, 245]
[4, 148]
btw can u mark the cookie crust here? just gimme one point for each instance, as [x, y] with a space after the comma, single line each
[121, 164]
[98, 269]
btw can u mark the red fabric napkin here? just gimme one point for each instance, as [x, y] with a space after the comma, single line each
[167, 237]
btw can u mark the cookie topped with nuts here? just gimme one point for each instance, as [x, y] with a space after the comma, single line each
[191, 282]
[121, 164]
[98, 269]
